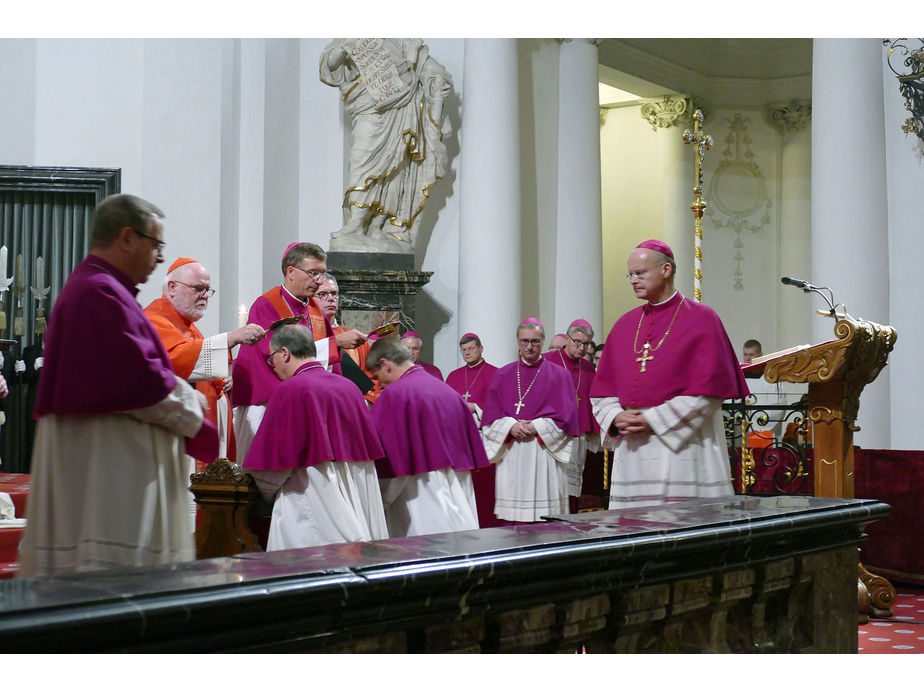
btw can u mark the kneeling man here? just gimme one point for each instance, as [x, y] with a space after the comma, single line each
[314, 452]
[431, 445]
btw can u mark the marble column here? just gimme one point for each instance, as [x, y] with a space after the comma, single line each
[849, 203]
[579, 244]
[489, 187]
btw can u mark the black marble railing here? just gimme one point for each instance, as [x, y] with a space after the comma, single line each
[738, 574]
[781, 450]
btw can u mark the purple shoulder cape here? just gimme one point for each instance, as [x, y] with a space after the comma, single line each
[547, 390]
[102, 354]
[313, 417]
[424, 426]
[695, 358]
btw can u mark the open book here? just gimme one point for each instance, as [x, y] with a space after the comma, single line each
[760, 360]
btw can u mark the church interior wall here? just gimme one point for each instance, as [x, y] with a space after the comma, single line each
[741, 252]
[905, 183]
[282, 139]
[438, 233]
[262, 143]
[638, 165]
[17, 114]
[538, 67]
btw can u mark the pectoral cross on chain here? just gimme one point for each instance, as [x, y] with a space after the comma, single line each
[466, 396]
[644, 357]
[519, 405]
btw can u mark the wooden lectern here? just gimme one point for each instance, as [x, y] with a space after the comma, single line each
[836, 372]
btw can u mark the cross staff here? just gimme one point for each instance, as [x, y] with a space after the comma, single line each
[703, 143]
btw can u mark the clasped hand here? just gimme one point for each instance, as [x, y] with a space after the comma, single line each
[631, 422]
[523, 430]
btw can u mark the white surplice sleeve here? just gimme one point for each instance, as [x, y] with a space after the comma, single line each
[179, 412]
[680, 418]
[606, 409]
[494, 437]
[555, 441]
[213, 359]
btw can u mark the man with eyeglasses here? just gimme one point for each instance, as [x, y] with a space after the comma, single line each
[666, 368]
[328, 296]
[303, 264]
[529, 426]
[109, 479]
[570, 356]
[204, 362]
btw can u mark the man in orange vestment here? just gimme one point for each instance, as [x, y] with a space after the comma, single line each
[202, 361]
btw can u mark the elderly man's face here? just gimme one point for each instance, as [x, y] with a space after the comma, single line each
[415, 345]
[576, 345]
[189, 292]
[328, 295]
[529, 343]
[471, 352]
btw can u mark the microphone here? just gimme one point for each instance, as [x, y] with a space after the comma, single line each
[806, 287]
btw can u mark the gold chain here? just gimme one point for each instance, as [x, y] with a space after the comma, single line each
[648, 347]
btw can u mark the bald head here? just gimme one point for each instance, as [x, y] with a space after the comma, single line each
[651, 274]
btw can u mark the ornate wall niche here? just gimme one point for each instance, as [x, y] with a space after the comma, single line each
[737, 195]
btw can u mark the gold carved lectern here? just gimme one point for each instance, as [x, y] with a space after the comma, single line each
[836, 372]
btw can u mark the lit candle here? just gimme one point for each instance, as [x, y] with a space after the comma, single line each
[242, 316]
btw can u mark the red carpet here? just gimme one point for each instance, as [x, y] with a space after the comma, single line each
[901, 634]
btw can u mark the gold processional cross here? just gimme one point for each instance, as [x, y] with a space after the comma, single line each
[703, 143]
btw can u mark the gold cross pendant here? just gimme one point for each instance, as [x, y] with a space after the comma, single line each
[644, 357]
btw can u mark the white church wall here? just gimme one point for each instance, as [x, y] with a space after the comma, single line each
[642, 177]
[17, 114]
[741, 226]
[539, 170]
[242, 177]
[438, 303]
[905, 178]
[180, 138]
[150, 108]
[281, 222]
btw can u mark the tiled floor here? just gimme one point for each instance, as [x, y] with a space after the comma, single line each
[901, 634]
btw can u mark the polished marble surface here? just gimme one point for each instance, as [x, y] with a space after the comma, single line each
[648, 531]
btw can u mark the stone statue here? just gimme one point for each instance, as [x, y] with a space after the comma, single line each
[394, 92]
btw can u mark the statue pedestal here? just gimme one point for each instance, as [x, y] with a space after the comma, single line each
[376, 288]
